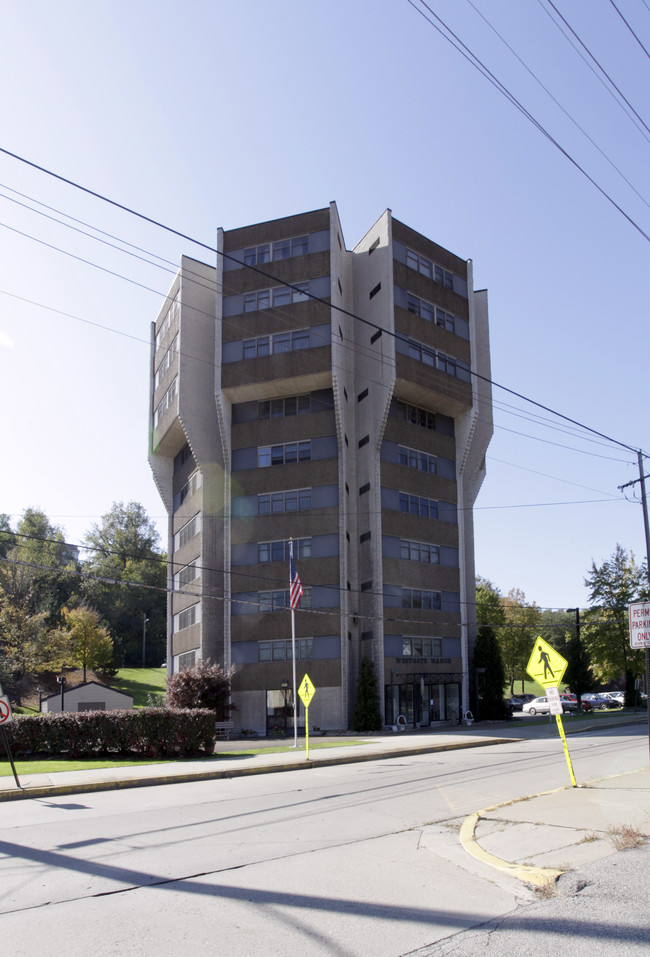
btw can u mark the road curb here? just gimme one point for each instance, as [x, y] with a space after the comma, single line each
[528, 873]
[53, 790]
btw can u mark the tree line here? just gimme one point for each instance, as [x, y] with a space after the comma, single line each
[594, 640]
[102, 606]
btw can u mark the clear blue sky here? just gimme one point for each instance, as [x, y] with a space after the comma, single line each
[204, 114]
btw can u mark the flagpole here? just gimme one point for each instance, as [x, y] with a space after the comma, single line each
[293, 651]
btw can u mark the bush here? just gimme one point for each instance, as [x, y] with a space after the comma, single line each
[202, 686]
[366, 715]
[154, 732]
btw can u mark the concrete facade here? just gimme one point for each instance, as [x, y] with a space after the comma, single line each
[339, 398]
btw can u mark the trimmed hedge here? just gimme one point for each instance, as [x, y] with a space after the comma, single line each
[154, 732]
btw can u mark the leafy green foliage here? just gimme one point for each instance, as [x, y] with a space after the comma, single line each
[614, 585]
[124, 549]
[150, 731]
[204, 685]
[488, 663]
[366, 715]
[89, 643]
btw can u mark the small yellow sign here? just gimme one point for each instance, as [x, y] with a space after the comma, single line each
[306, 691]
[546, 666]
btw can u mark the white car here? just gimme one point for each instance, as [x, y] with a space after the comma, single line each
[543, 706]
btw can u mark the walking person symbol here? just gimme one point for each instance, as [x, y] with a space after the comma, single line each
[543, 657]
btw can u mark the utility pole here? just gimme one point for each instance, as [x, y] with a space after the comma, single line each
[646, 526]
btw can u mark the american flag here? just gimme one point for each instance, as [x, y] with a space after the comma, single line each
[295, 592]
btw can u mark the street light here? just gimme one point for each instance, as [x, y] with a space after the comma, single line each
[144, 635]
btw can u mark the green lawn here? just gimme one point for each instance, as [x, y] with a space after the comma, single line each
[140, 682]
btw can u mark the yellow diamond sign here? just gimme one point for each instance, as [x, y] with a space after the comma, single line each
[306, 691]
[546, 666]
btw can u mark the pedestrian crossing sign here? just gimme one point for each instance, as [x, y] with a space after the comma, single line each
[546, 666]
[306, 691]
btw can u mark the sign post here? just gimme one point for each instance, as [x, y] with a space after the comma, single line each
[6, 717]
[639, 616]
[546, 666]
[306, 692]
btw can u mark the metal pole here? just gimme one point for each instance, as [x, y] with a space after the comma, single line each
[646, 526]
[293, 653]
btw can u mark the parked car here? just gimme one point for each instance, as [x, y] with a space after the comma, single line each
[543, 706]
[594, 701]
[613, 699]
[526, 697]
[516, 704]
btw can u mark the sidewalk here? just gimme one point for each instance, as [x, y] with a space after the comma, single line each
[579, 824]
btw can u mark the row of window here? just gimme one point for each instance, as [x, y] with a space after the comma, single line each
[437, 360]
[285, 454]
[164, 404]
[292, 500]
[187, 532]
[170, 317]
[429, 269]
[276, 296]
[421, 599]
[187, 574]
[273, 345]
[430, 313]
[416, 505]
[422, 647]
[282, 650]
[279, 551]
[191, 486]
[413, 459]
[272, 252]
[420, 552]
[190, 616]
[279, 408]
[280, 598]
[166, 361]
[416, 416]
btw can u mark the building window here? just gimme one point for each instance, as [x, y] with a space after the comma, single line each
[191, 486]
[169, 319]
[281, 650]
[278, 551]
[278, 296]
[420, 599]
[190, 616]
[416, 505]
[413, 459]
[420, 552]
[421, 647]
[166, 361]
[186, 660]
[280, 342]
[187, 575]
[286, 454]
[431, 357]
[165, 403]
[279, 599]
[427, 268]
[279, 408]
[282, 249]
[187, 532]
[257, 255]
[416, 416]
[275, 503]
[431, 313]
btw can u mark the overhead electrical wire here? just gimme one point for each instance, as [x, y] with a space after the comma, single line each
[458, 45]
[630, 28]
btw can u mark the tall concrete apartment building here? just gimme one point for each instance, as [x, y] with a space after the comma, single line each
[301, 390]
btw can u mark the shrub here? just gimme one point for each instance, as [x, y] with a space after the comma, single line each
[202, 686]
[366, 715]
[154, 732]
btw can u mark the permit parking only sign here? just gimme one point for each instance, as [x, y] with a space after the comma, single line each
[640, 624]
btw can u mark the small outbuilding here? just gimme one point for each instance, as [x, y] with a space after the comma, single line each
[90, 696]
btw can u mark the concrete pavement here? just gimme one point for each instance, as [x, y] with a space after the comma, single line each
[535, 839]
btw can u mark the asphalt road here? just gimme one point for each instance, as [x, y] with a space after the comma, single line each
[347, 860]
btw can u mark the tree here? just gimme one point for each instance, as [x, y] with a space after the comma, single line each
[124, 548]
[517, 635]
[614, 585]
[204, 685]
[488, 664]
[366, 715]
[89, 643]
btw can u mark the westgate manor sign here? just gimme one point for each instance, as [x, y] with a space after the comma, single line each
[422, 661]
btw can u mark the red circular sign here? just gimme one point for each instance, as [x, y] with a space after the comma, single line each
[5, 711]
